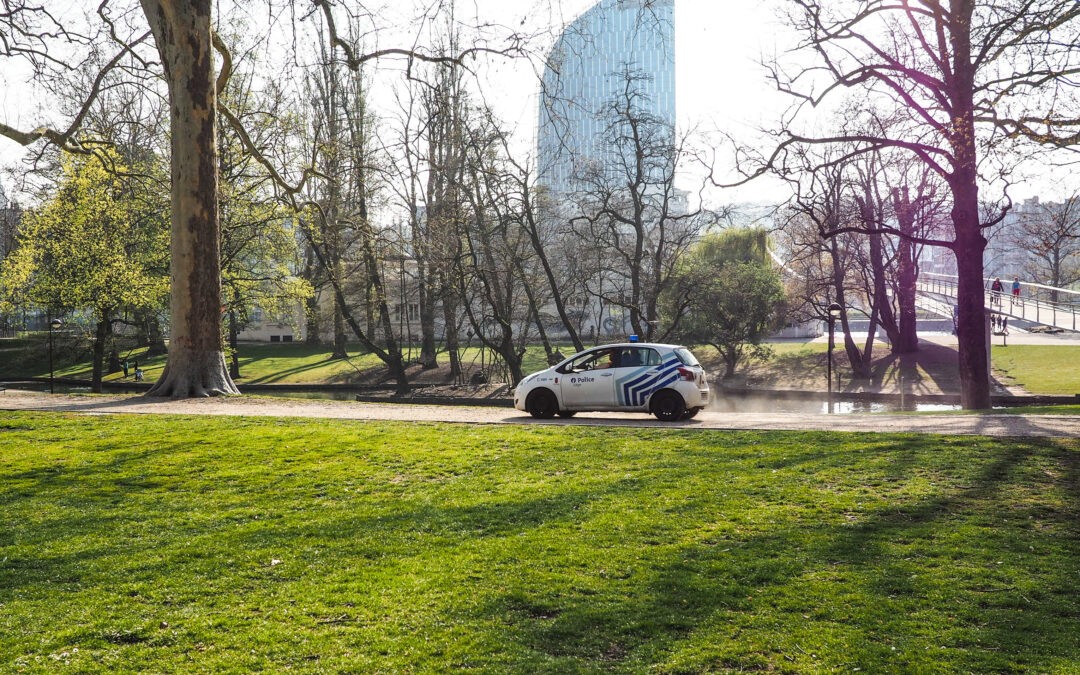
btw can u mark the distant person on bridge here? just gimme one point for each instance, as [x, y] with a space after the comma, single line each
[1016, 287]
[995, 289]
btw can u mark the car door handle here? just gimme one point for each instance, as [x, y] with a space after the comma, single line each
[605, 374]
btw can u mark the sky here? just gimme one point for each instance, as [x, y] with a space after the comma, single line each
[721, 85]
[718, 46]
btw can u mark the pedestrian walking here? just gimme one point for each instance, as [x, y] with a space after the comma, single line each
[995, 291]
[124, 365]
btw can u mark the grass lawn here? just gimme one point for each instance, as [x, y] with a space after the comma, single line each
[260, 363]
[1041, 369]
[169, 544]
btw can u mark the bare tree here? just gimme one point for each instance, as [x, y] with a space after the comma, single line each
[630, 210]
[970, 78]
[182, 32]
[1051, 236]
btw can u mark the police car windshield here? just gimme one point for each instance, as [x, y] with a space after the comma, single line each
[686, 357]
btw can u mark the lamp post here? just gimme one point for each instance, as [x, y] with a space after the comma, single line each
[54, 324]
[834, 314]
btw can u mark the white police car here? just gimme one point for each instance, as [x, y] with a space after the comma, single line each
[665, 380]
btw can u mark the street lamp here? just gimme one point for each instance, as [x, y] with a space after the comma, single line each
[834, 314]
[54, 324]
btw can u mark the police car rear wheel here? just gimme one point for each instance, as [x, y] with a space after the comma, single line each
[541, 404]
[668, 406]
[691, 413]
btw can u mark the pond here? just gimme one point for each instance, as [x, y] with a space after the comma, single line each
[772, 404]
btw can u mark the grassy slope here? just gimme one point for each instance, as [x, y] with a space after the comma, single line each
[260, 363]
[1040, 369]
[151, 544]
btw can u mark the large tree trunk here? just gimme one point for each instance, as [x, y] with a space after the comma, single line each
[196, 364]
[234, 336]
[311, 318]
[450, 330]
[905, 276]
[881, 303]
[859, 367]
[101, 336]
[428, 359]
[971, 317]
[970, 244]
[881, 296]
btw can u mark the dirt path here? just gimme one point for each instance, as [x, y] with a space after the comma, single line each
[1051, 426]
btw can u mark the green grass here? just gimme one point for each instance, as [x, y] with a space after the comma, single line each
[169, 544]
[1036, 410]
[260, 363]
[1041, 369]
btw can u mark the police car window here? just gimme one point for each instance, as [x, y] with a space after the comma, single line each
[633, 357]
[594, 360]
[686, 357]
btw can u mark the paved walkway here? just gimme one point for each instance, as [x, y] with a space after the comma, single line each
[1049, 426]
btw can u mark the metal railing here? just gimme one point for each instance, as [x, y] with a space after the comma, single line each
[1027, 308]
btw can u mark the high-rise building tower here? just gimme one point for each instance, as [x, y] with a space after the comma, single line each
[614, 45]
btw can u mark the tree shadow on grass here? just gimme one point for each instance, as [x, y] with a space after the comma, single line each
[858, 579]
[698, 595]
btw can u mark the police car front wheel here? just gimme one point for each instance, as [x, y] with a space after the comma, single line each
[541, 404]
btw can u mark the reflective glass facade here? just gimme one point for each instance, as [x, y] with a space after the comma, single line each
[615, 44]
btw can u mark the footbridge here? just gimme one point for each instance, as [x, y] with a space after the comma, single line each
[1037, 304]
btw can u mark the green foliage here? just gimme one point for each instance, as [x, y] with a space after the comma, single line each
[728, 295]
[99, 241]
[165, 544]
[259, 249]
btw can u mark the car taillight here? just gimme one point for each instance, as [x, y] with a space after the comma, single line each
[686, 374]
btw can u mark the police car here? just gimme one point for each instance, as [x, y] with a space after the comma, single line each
[665, 380]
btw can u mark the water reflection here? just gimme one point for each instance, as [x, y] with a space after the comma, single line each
[769, 404]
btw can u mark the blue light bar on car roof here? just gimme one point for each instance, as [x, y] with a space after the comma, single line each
[633, 338]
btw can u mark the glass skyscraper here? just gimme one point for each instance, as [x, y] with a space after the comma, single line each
[614, 45]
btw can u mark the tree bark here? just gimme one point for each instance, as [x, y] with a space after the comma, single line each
[101, 336]
[311, 318]
[450, 326]
[196, 364]
[905, 275]
[234, 334]
[971, 315]
[970, 244]
[859, 367]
